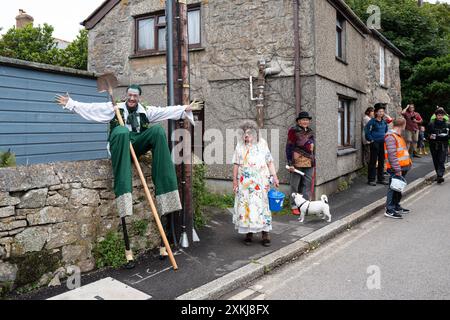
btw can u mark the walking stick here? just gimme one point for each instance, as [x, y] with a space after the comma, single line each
[106, 83]
[313, 180]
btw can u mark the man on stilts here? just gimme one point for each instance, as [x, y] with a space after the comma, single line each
[144, 136]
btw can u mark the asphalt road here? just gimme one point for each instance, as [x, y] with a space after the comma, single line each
[221, 250]
[381, 258]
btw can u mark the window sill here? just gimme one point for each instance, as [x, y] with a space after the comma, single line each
[341, 60]
[159, 53]
[346, 151]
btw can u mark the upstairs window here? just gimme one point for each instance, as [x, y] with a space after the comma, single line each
[146, 35]
[340, 37]
[382, 66]
[194, 29]
[150, 32]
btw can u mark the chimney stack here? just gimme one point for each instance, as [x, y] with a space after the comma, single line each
[23, 19]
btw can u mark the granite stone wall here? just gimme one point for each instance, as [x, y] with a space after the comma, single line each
[235, 35]
[61, 211]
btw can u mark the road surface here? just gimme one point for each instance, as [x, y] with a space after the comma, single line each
[382, 258]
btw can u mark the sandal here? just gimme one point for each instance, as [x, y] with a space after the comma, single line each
[163, 253]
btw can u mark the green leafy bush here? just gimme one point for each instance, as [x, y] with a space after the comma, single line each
[198, 192]
[221, 201]
[422, 33]
[203, 198]
[7, 159]
[139, 227]
[110, 251]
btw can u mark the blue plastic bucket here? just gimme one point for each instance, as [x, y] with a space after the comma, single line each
[276, 199]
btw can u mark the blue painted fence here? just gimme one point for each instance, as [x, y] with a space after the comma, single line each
[35, 128]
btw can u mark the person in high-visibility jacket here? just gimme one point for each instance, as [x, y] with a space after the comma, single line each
[398, 162]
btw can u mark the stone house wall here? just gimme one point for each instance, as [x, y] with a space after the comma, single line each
[390, 93]
[357, 78]
[352, 73]
[334, 78]
[64, 209]
[232, 43]
[235, 35]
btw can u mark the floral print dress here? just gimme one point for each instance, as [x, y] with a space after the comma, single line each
[251, 204]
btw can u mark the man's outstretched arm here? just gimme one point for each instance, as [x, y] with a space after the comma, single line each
[99, 112]
[155, 114]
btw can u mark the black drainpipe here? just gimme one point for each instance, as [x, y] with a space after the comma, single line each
[297, 85]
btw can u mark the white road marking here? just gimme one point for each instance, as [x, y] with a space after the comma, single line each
[152, 275]
[104, 289]
[418, 195]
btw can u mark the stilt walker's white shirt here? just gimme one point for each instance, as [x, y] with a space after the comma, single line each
[104, 112]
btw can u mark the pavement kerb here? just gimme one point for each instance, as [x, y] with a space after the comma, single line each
[225, 284]
[256, 269]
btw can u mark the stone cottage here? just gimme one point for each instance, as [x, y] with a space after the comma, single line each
[344, 67]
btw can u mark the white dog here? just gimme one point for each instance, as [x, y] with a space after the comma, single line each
[319, 208]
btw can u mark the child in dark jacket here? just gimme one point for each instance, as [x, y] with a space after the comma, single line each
[421, 141]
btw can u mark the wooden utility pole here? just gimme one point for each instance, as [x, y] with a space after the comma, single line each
[182, 97]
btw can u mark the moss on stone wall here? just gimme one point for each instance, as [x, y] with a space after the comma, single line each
[33, 265]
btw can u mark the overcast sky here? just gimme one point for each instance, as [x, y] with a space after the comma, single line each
[64, 15]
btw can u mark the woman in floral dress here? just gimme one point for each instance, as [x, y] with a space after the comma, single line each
[253, 166]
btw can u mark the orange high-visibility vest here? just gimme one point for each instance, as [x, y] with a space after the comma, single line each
[402, 152]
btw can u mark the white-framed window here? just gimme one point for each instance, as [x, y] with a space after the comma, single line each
[194, 30]
[382, 66]
[346, 123]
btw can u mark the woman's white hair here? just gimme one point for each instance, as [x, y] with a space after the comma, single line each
[249, 125]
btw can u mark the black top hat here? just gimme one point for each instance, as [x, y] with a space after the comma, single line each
[379, 106]
[303, 115]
